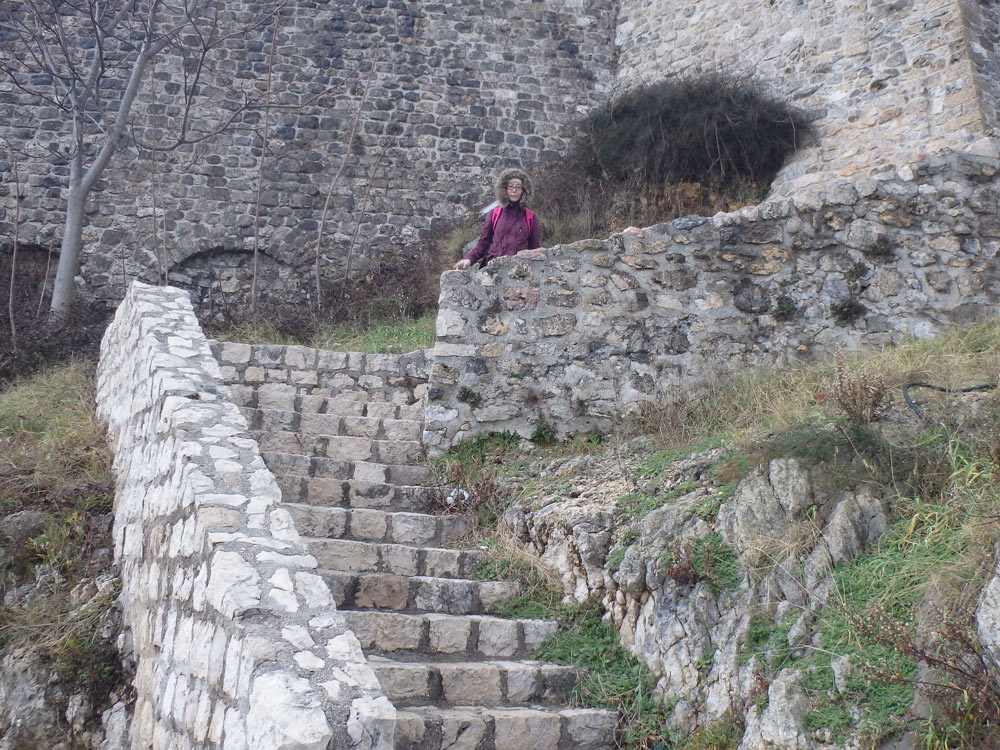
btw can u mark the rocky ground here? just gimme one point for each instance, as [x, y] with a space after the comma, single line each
[727, 574]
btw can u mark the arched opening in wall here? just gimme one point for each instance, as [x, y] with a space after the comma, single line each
[683, 146]
[221, 283]
[28, 341]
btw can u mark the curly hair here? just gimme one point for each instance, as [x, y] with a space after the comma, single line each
[501, 186]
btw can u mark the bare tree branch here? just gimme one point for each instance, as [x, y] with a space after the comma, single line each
[89, 58]
[336, 179]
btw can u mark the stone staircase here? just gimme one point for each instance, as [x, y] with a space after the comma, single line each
[354, 477]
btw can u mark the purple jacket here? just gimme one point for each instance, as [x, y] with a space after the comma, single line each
[509, 238]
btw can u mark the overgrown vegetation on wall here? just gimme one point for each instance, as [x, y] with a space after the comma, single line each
[895, 650]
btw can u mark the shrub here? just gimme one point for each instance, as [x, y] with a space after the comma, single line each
[847, 310]
[708, 128]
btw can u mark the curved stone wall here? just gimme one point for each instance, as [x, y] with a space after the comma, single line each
[593, 329]
[236, 639]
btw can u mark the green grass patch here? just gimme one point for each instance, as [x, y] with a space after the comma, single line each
[381, 335]
[636, 505]
[615, 679]
[716, 562]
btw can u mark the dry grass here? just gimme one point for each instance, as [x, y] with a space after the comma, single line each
[748, 406]
[53, 444]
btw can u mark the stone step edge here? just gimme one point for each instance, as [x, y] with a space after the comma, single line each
[487, 682]
[359, 555]
[379, 525]
[579, 728]
[390, 633]
[292, 414]
[348, 586]
[352, 465]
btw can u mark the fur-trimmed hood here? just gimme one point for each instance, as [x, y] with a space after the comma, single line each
[501, 186]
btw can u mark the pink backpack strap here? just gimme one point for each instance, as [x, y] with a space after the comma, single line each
[530, 218]
[496, 216]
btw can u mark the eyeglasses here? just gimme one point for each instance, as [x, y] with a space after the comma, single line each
[514, 186]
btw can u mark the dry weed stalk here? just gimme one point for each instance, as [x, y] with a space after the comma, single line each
[861, 395]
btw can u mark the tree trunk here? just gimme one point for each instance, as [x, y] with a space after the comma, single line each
[69, 254]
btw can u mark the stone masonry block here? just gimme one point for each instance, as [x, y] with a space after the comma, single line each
[365, 471]
[520, 730]
[382, 410]
[449, 634]
[368, 524]
[402, 560]
[498, 637]
[403, 681]
[383, 592]
[402, 429]
[466, 683]
[398, 451]
[414, 528]
[349, 448]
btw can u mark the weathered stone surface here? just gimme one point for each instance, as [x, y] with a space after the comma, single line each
[217, 588]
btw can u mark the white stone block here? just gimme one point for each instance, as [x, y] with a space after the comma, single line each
[309, 661]
[233, 585]
[345, 647]
[285, 713]
[313, 590]
[295, 561]
[371, 723]
[298, 636]
[235, 732]
[284, 600]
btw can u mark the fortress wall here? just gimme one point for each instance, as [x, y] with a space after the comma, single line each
[460, 89]
[236, 639]
[886, 80]
[598, 328]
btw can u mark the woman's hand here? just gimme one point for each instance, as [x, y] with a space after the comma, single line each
[461, 265]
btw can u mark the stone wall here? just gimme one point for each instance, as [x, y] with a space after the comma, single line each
[237, 640]
[460, 89]
[885, 81]
[592, 329]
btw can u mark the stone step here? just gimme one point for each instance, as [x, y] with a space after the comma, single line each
[396, 559]
[305, 466]
[318, 404]
[453, 596]
[369, 524]
[308, 398]
[456, 635]
[353, 493]
[311, 423]
[513, 728]
[511, 683]
[341, 447]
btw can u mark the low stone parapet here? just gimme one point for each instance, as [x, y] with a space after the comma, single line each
[236, 639]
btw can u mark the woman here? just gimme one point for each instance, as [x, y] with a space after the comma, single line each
[510, 227]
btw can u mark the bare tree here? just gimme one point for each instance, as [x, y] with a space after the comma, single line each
[88, 58]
